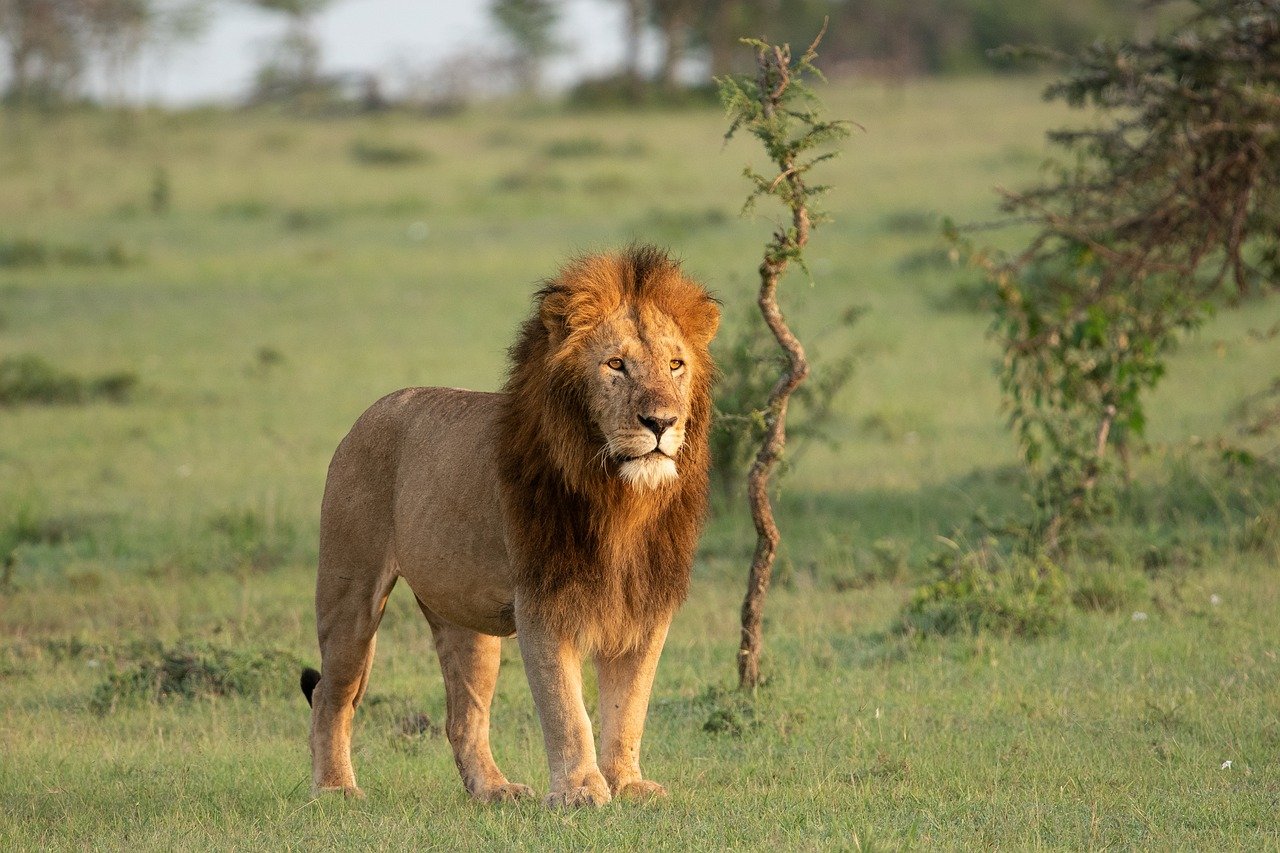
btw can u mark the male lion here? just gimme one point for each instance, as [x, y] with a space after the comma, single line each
[564, 510]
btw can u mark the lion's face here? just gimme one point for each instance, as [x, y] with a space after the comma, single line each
[638, 368]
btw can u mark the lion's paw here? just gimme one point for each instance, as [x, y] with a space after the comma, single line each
[641, 790]
[348, 792]
[586, 795]
[508, 792]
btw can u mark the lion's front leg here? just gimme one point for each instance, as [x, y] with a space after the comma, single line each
[625, 683]
[469, 662]
[554, 668]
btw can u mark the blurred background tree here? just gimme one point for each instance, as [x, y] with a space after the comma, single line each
[292, 70]
[51, 44]
[529, 26]
[60, 50]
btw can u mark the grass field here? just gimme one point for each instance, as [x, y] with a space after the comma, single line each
[265, 278]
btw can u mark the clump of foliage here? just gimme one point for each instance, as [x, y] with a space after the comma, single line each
[32, 380]
[981, 590]
[20, 253]
[1167, 207]
[372, 152]
[195, 670]
[780, 110]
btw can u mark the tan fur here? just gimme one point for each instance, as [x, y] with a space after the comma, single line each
[565, 509]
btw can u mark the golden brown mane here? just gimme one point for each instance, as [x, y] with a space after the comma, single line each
[598, 560]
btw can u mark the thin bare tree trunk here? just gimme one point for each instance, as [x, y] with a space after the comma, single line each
[720, 36]
[774, 79]
[632, 33]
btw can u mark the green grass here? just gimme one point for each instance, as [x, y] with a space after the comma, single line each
[303, 269]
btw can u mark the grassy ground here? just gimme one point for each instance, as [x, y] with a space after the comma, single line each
[266, 278]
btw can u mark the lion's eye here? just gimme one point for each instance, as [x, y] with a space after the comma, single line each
[614, 363]
[676, 364]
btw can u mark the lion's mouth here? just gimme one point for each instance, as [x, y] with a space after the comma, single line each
[648, 470]
[656, 453]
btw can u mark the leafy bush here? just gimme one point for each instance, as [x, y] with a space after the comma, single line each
[983, 591]
[1163, 208]
[370, 152]
[305, 219]
[196, 670]
[578, 146]
[531, 180]
[911, 221]
[31, 379]
[19, 253]
[245, 208]
[728, 713]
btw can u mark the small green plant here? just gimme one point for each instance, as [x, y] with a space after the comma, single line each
[577, 147]
[29, 379]
[161, 195]
[981, 590]
[305, 219]
[196, 670]
[729, 713]
[370, 152]
[22, 253]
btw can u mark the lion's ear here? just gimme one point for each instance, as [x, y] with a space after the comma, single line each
[554, 312]
[701, 325]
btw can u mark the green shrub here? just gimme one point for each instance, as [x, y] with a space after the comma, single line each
[304, 219]
[911, 221]
[245, 208]
[983, 591]
[580, 146]
[369, 152]
[31, 379]
[196, 670]
[674, 224]
[728, 713]
[23, 253]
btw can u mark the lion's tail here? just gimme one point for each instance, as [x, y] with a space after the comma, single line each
[310, 678]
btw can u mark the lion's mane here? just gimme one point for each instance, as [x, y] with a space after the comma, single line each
[599, 561]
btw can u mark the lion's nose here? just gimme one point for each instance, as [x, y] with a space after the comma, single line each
[657, 426]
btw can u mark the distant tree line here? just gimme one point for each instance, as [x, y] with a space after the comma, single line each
[883, 37]
[50, 45]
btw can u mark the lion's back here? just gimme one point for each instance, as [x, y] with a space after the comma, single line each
[417, 472]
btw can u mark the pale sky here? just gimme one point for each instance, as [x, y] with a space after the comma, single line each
[386, 36]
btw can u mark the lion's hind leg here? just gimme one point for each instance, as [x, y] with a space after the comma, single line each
[350, 598]
[469, 662]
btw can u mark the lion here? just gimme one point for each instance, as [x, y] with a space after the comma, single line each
[563, 511]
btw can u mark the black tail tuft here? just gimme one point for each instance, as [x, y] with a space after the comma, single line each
[310, 678]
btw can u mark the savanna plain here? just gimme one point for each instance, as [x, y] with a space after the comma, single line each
[259, 279]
